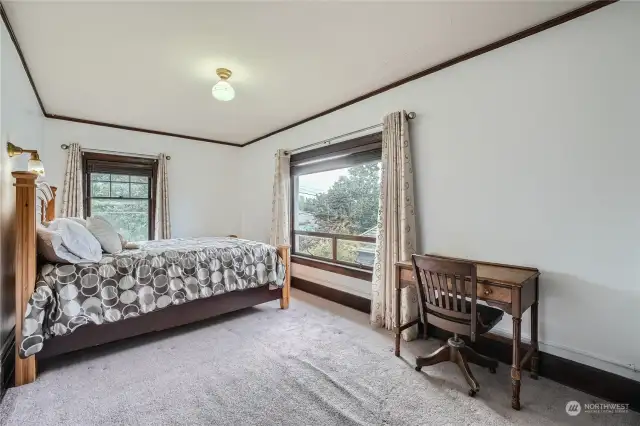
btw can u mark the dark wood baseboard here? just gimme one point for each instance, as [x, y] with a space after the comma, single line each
[596, 382]
[8, 361]
[343, 298]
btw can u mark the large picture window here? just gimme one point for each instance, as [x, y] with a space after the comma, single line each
[335, 202]
[121, 189]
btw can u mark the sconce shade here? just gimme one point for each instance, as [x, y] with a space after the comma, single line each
[34, 165]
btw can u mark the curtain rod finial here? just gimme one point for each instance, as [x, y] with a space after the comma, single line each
[411, 115]
[64, 146]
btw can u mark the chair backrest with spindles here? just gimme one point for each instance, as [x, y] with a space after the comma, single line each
[447, 291]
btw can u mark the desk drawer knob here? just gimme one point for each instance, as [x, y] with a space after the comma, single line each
[487, 291]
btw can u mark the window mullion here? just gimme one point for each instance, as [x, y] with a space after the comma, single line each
[334, 248]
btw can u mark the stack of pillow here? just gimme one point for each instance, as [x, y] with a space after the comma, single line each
[75, 240]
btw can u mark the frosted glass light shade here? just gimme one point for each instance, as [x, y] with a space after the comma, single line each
[36, 166]
[223, 91]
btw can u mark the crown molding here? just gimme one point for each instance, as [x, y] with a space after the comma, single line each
[569, 16]
[46, 114]
[138, 129]
[14, 39]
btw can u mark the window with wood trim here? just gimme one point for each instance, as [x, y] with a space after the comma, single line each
[335, 196]
[122, 190]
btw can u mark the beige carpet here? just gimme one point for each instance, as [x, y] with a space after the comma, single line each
[316, 364]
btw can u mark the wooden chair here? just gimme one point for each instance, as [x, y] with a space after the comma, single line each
[443, 292]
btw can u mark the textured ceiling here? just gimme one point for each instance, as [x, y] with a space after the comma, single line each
[152, 65]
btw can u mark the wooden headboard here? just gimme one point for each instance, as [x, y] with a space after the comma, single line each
[35, 202]
[45, 202]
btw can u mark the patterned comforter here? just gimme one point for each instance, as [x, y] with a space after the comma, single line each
[134, 282]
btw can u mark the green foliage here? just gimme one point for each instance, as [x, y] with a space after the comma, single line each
[129, 216]
[319, 247]
[349, 206]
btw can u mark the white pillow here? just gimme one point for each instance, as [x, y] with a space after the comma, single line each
[79, 220]
[127, 245]
[67, 241]
[105, 233]
[51, 248]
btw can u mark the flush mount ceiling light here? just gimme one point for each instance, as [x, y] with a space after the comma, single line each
[222, 90]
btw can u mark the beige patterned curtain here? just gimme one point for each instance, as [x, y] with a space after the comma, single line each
[396, 238]
[163, 219]
[72, 200]
[280, 204]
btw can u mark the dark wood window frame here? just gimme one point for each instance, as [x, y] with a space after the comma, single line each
[93, 162]
[351, 152]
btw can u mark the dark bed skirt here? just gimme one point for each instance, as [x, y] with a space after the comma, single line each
[172, 316]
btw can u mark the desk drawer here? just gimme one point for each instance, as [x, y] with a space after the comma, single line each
[492, 292]
[407, 275]
[484, 291]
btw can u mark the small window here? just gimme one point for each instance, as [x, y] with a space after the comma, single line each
[335, 202]
[121, 189]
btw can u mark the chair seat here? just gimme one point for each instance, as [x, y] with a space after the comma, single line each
[488, 317]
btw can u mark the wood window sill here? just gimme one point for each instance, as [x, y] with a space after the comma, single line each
[362, 274]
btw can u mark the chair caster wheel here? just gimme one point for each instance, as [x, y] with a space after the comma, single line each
[418, 368]
[472, 393]
[492, 370]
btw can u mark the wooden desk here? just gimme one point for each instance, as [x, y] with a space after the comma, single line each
[514, 289]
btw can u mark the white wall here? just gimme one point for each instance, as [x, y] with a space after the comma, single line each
[539, 138]
[202, 176]
[525, 155]
[21, 122]
[203, 181]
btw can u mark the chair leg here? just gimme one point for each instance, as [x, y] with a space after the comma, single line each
[442, 354]
[462, 363]
[478, 359]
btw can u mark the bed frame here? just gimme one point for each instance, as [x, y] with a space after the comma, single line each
[28, 193]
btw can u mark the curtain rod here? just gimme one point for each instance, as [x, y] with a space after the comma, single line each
[410, 116]
[103, 151]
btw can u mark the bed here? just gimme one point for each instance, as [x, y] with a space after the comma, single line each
[62, 308]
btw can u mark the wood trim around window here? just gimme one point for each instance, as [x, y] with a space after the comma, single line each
[121, 164]
[358, 145]
[347, 237]
[372, 142]
[361, 274]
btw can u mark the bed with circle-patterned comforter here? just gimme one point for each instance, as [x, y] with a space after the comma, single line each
[134, 282]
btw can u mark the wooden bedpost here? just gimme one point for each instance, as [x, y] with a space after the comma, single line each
[283, 251]
[25, 265]
[51, 206]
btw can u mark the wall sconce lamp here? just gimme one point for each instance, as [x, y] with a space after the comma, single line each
[34, 165]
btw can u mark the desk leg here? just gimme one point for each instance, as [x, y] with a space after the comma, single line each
[534, 336]
[515, 366]
[397, 313]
